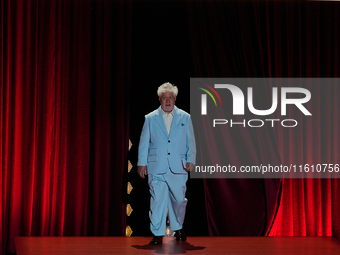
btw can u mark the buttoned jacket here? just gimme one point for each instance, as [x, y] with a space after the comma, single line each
[161, 151]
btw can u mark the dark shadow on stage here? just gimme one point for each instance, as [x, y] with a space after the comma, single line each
[172, 247]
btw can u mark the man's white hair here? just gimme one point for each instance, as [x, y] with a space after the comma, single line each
[167, 87]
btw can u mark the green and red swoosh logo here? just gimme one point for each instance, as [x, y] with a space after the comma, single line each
[210, 94]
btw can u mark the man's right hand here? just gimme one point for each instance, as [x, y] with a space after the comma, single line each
[142, 171]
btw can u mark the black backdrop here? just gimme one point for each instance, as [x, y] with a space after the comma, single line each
[160, 53]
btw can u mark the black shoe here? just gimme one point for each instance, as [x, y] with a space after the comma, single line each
[180, 235]
[156, 240]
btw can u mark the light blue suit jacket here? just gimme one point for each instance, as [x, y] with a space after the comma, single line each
[159, 150]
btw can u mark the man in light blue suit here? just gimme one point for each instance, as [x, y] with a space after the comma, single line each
[166, 153]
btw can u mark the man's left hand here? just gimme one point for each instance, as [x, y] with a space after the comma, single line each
[189, 167]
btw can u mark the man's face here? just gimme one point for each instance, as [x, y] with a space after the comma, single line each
[167, 101]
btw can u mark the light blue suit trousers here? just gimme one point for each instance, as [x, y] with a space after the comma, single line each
[167, 192]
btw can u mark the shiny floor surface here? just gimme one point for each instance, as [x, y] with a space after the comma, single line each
[194, 245]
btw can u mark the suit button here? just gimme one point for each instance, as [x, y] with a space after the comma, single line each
[168, 141]
[169, 153]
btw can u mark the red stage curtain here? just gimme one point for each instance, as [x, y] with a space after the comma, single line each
[64, 118]
[308, 208]
[273, 39]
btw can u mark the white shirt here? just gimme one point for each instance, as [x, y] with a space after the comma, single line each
[168, 117]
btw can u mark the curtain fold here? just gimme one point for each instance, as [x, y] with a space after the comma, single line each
[64, 118]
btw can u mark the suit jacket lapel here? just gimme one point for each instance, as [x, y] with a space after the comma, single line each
[159, 119]
[175, 121]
